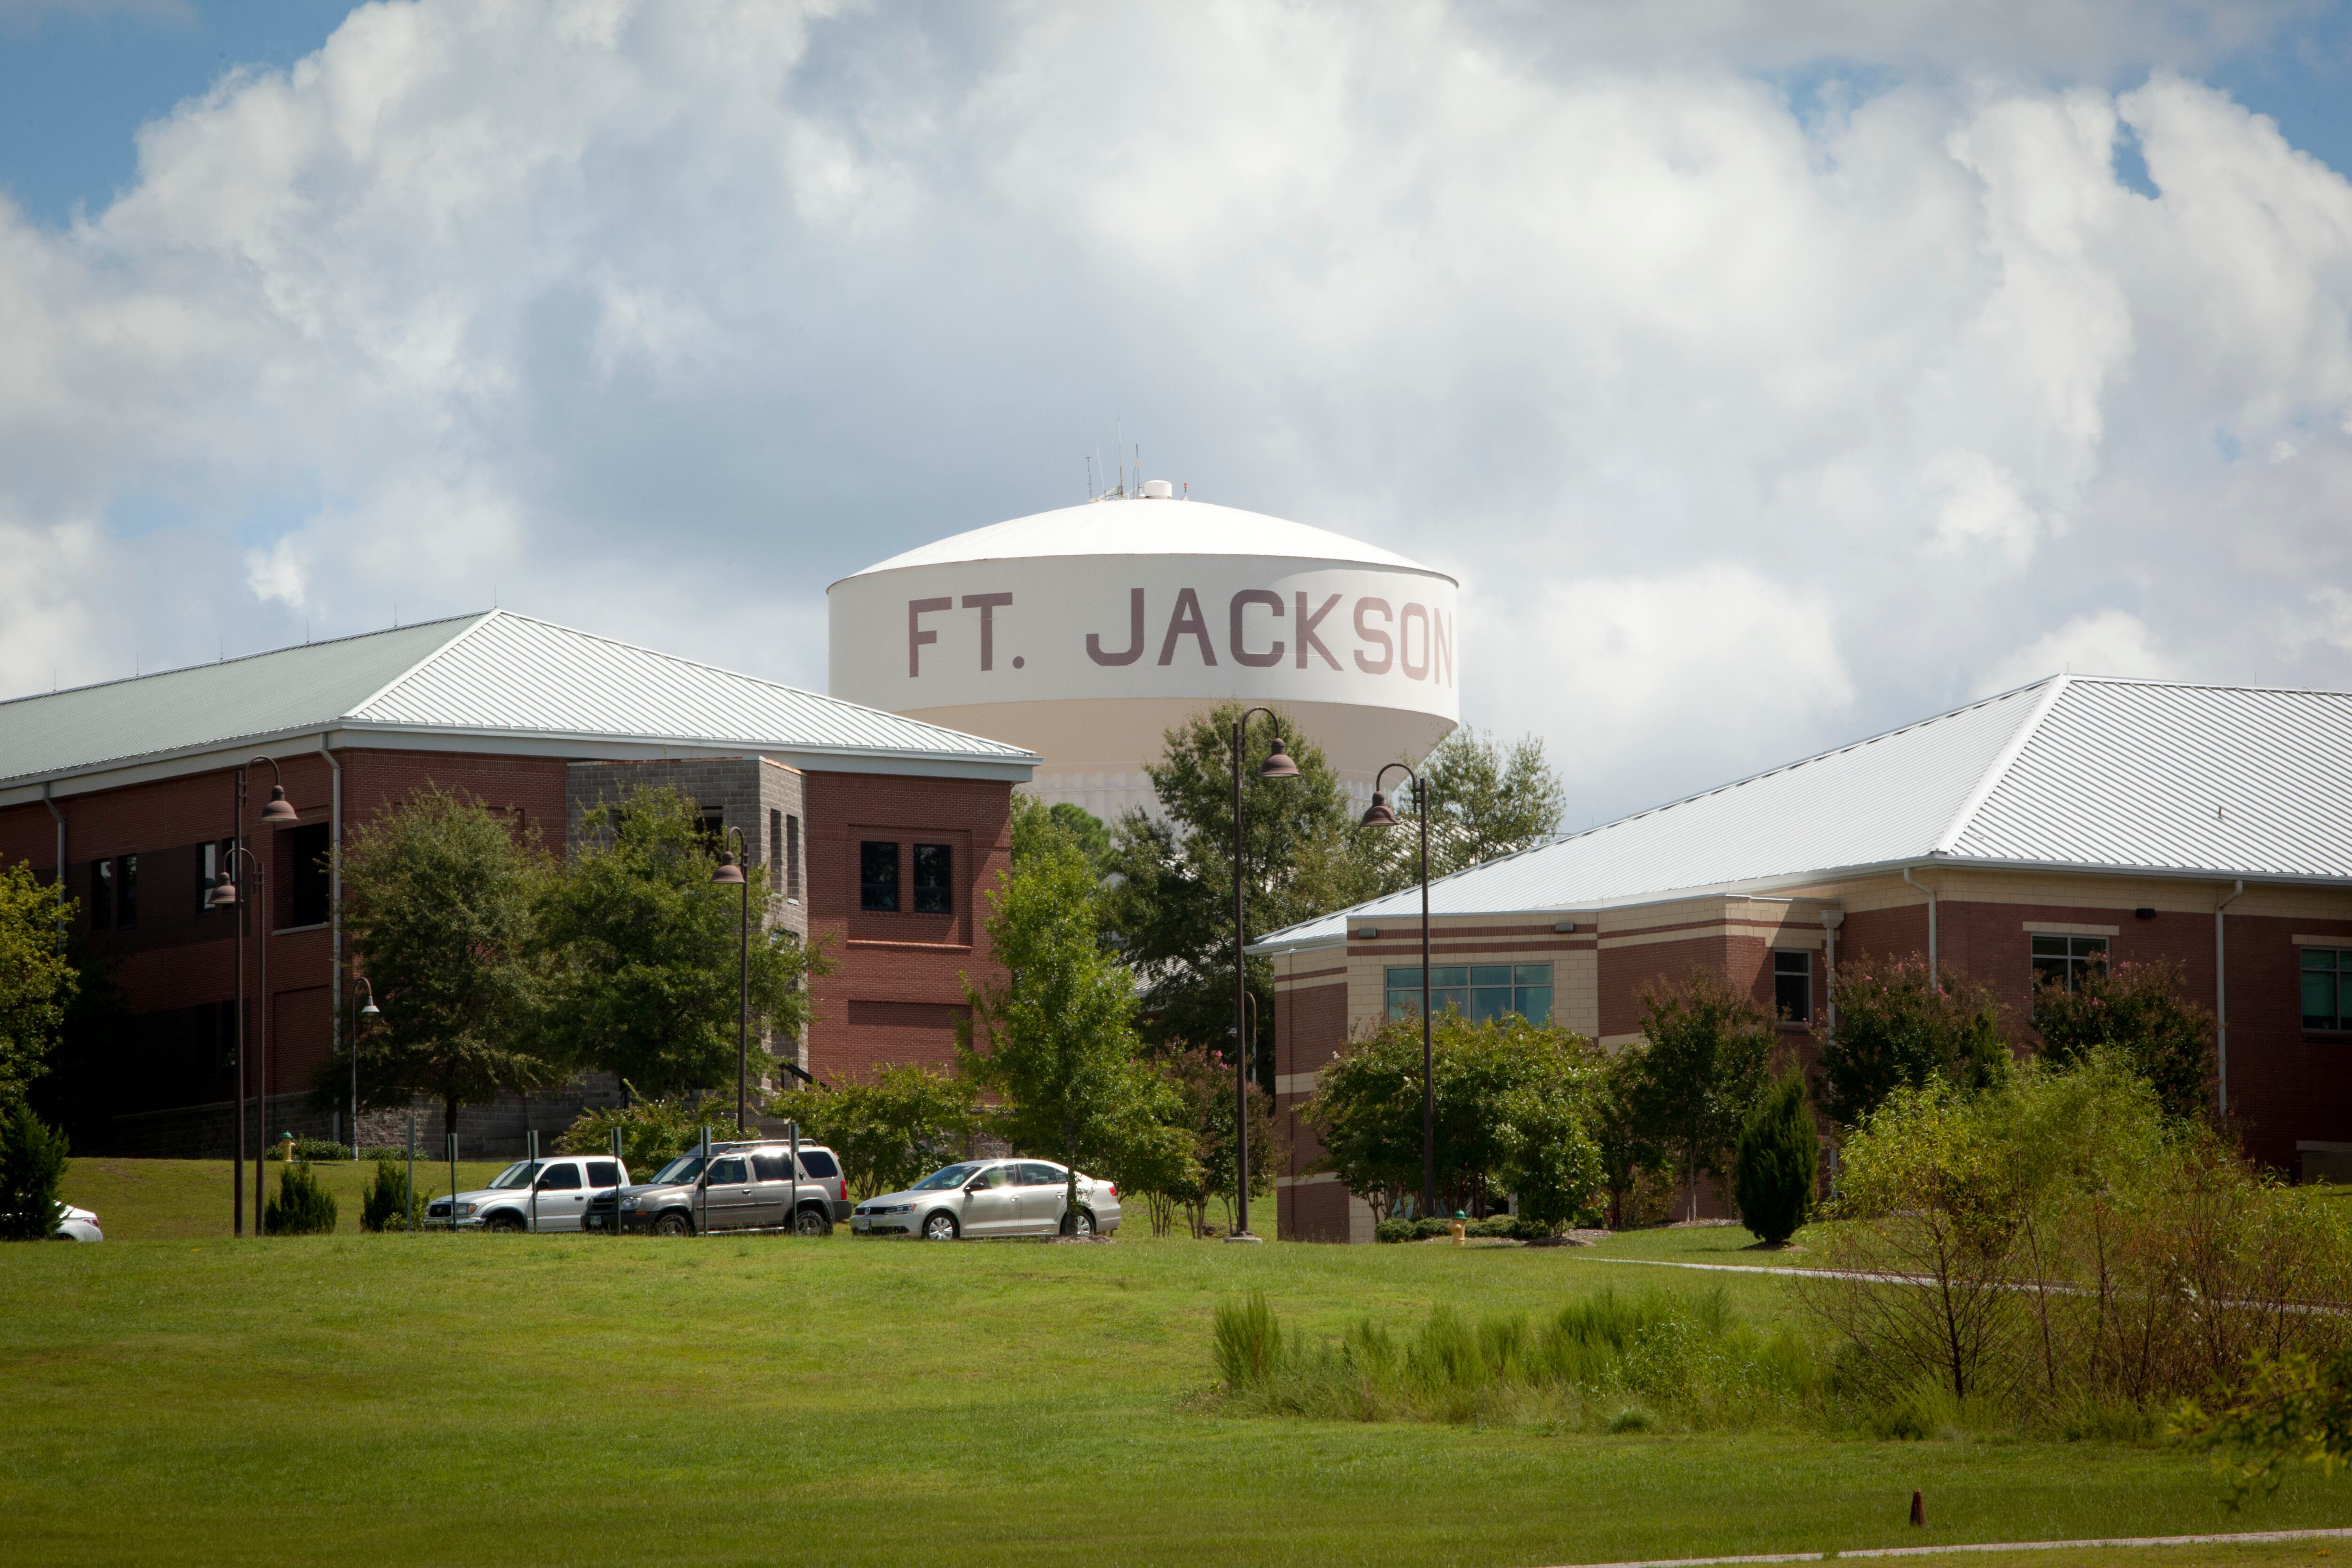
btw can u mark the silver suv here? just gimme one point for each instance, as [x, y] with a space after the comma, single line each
[747, 1188]
[557, 1200]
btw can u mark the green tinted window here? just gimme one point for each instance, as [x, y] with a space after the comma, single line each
[2325, 974]
[1479, 992]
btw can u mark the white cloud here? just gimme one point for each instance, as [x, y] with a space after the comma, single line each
[2106, 642]
[654, 318]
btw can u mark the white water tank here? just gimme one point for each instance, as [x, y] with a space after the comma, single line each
[1085, 634]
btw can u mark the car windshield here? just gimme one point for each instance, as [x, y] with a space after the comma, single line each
[685, 1168]
[953, 1177]
[516, 1175]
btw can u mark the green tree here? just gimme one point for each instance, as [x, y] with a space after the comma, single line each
[2139, 1012]
[442, 892]
[1897, 1030]
[1036, 826]
[641, 953]
[1629, 1152]
[1709, 1056]
[1511, 1103]
[32, 1170]
[1057, 1037]
[654, 1129]
[1303, 853]
[893, 1132]
[1204, 1080]
[1483, 801]
[1779, 1151]
[37, 981]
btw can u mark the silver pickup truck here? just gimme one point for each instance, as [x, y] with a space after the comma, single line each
[747, 1187]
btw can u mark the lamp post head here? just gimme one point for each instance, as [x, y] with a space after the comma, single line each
[223, 893]
[370, 1010]
[1379, 814]
[1278, 763]
[279, 808]
[728, 873]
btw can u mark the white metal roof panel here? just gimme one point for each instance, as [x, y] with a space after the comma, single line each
[494, 673]
[510, 673]
[2105, 776]
[1138, 526]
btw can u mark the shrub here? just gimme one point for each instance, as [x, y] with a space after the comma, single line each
[653, 1131]
[388, 1205]
[1774, 1168]
[307, 1148]
[1897, 1028]
[893, 1132]
[302, 1207]
[2139, 1012]
[32, 1169]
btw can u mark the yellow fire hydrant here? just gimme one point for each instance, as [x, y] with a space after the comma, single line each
[1461, 1228]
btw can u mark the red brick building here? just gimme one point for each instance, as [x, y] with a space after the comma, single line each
[2071, 822]
[886, 831]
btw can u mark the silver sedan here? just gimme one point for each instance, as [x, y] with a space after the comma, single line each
[991, 1197]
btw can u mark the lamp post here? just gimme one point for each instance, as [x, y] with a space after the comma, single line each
[1277, 765]
[368, 1009]
[730, 875]
[276, 813]
[1380, 816]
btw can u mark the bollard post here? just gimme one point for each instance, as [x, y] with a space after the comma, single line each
[410, 1220]
[702, 1187]
[453, 1184]
[1918, 1511]
[532, 1136]
[617, 1180]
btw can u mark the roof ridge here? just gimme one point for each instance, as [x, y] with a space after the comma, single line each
[480, 619]
[218, 663]
[2003, 760]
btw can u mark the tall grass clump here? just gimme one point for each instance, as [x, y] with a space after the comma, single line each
[1610, 1360]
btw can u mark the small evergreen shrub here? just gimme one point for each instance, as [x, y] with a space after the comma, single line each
[1779, 1151]
[302, 1206]
[32, 1169]
[388, 1205]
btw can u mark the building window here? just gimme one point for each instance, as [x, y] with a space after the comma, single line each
[712, 827]
[878, 876]
[1792, 986]
[791, 856]
[126, 891]
[308, 888]
[1479, 992]
[101, 895]
[775, 853]
[934, 880]
[2064, 960]
[2326, 988]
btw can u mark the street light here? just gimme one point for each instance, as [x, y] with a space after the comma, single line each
[367, 1010]
[1277, 765]
[1380, 816]
[279, 812]
[730, 875]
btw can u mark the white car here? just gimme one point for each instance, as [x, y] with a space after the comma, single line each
[556, 1200]
[76, 1225]
[991, 1197]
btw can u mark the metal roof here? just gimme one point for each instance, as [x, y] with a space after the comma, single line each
[494, 673]
[2072, 772]
[1136, 525]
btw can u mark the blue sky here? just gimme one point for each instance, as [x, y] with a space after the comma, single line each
[1884, 353]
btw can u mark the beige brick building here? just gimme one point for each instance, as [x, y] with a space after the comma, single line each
[2070, 822]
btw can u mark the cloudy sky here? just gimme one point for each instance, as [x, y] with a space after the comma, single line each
[1769, 373]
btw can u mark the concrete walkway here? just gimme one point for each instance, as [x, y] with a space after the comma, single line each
[2250, 1537]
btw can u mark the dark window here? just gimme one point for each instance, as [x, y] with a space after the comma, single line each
[791, 856]
[564, 1178]
[2065, 960]
[770, 1167]
[726, 1172]
[775, 852]
[878, 876]
[1479, 992]
[307, 875]
[603, 1174]
[2326, 988]
[1792, 986]
[713, 827]
[817, 1163]
[126, 890]
[101, 895]
[934, 880]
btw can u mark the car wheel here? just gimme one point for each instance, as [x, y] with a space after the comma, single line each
[1084, 1225]
[940, 1227]
[810, 1222]
[673, 1223]
[506, 1224]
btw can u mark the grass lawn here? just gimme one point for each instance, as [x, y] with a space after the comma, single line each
[188, 1200]
[1729, 1245]
[524, 1400]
